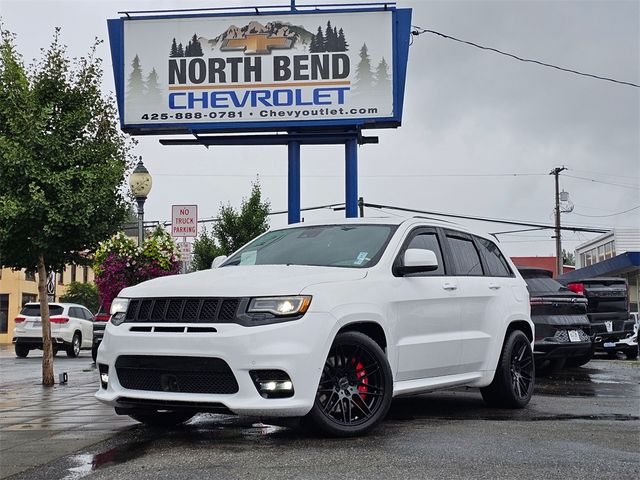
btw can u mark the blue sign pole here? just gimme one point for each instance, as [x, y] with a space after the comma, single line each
[294, 182]
[351, 178]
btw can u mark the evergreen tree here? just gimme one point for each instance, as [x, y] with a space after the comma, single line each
[317, 42]
[136, 84]
[196, 48]
[180, 51]
[187, 50]
[153, 88]
[174, 48]
[364, 75]
[383, 81]
[329, 40]
[341, 42]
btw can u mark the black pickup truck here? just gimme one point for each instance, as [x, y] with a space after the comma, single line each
[608, 312]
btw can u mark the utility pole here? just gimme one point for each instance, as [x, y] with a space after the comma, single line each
[556, 172]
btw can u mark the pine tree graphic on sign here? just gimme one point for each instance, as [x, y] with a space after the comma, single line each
[383, 80]
[364, 76]
[136, 87]
[154, 94]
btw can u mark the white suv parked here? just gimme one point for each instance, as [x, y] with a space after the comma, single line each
[323, 321]
[71, 328]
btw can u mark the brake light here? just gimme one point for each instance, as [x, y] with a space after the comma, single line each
[101, 317]
[19, 319]
[576, 288]
[59, 320]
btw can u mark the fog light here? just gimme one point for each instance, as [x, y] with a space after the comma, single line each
[272, 383]
[104, 375]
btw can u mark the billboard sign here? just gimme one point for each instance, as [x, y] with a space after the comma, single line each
[254, 72]
[184, 220]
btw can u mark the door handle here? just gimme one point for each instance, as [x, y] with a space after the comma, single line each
[449, 286]
[494, 286]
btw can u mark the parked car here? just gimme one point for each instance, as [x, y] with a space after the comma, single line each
[563, 331]
[323, 321]
[71, 328]
[608, 312]
[100, 320]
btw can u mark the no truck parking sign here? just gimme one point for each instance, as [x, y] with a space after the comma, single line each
[184, 220]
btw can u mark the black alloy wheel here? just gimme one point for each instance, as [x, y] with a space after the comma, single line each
[513, 383]
[355, 389]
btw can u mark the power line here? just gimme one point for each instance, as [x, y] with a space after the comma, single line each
[484, 219]
[420, 30]
[361, 176]
[622, 185]
[605, 174]
[610, 215]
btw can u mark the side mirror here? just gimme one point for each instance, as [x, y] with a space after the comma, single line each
[219, 260]
[418, 260]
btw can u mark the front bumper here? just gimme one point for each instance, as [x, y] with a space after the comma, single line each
[299, 348]
[614, 341]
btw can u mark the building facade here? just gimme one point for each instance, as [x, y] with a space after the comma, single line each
[612, 254]
[18, 287]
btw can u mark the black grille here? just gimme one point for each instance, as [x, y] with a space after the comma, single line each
[183, 310]
[175, 374]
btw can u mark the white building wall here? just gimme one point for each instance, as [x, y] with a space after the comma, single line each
[627, 240]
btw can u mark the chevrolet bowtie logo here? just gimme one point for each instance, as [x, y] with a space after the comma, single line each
[256, 44]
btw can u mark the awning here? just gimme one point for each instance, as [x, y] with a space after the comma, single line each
[618, 265]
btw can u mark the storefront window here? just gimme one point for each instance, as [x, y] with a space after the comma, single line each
[4, 312]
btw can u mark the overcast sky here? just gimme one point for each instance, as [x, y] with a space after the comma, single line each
[466, 112]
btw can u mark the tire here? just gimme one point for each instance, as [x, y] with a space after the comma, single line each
[514, 379]
[21, 351]
[161, 419]
[55, 351]
[631, 353]
[355, 389]
[581, 360]
[94, 352]
[73, 350]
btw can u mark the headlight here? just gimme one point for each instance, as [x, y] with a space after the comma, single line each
[280, 306]
[118, 310]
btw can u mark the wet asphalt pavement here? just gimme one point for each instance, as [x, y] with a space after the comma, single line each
[582, 423]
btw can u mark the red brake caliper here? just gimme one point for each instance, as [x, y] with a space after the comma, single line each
[361, 375]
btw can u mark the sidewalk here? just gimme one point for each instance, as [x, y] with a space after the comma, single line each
[39, 424]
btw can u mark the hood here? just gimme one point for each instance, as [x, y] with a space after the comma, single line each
[243, 281]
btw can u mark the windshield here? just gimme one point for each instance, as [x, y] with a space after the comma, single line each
[355, 246]
[543, 284]
[31, 310]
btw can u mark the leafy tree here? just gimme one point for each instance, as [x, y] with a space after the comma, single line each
[383, 81]
[364, 75]
[136, 84]
[205, 249]
[83, 293]
[234, 229]
[63, 161]
[568, 258]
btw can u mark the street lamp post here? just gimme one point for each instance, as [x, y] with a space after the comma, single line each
[140, 184]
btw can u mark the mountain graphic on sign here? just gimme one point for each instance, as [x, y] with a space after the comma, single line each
[294, 34]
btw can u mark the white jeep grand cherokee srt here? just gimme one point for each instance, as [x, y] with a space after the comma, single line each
[323, 321]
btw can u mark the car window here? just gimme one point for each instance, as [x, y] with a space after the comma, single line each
[466, 260]
[34, 310]
[539, 284]
[349, 245]
[86, 314]
[427, 241]
[496, 263]
[75, 312]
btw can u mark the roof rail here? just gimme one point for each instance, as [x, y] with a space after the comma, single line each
[436, 219]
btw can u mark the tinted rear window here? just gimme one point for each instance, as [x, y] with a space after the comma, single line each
[543, 284]
[34, 310]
